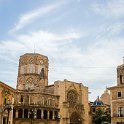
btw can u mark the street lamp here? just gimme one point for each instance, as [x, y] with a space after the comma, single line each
[31, 114]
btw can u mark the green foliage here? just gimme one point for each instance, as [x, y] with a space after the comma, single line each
[101, 116]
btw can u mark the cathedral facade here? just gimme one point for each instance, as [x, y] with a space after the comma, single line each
[35, 102]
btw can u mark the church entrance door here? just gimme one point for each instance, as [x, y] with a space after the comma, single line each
[75, 118]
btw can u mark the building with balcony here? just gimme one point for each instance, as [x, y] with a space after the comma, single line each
[117, 98]
[6, 103]
[36, 102]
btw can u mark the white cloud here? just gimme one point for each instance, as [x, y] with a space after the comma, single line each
[43, 40]
[33, 15]
[47, 41]
[113, 8]
[67, 61]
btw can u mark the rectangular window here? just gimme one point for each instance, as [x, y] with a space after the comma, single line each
[120, 79]
[21, 100]
[119, 94]
[120, 111]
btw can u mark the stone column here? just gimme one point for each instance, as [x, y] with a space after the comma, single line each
[29, 100]
[11, 116]
[48, 114]
[42, 113]
[35, 113]
[53, 115]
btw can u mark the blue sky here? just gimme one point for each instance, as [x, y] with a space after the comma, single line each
[83, 39]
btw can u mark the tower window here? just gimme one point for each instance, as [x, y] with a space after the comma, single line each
[121, 79]
[21, 100]
[31, 68]
[42, 75]
[119, 94]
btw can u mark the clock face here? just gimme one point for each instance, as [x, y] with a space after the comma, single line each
[41, 61]
[72, 97]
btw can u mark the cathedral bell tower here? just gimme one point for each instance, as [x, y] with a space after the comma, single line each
[32, 72]
[120, 74]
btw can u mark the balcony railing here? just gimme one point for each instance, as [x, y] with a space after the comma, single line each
[118, 115]
[36, 104]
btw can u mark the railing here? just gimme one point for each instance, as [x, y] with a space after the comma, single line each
[118, 115]
[36, 104]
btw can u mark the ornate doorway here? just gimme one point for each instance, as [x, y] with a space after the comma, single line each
[75, 118]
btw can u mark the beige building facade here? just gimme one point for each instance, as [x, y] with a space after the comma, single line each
[36, 102]
[6, 103]
[117, 98]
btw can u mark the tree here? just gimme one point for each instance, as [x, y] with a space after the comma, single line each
[100, 117]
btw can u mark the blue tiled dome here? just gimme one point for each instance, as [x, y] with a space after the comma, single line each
[97, 102]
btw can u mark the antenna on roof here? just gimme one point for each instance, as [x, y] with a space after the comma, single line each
[34, 47]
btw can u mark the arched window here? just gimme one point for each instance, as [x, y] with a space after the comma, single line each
[22, 69]
[45, 114]
[42, 74]
[72, 97]
[38, 114]
[31, 68]
[56, 114]
[25, 113]
[45, 102]
[20, 112]
[51, 115]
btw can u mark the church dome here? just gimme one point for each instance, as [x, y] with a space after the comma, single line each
[98, 102]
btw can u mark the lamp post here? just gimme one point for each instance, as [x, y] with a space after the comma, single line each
[31, 115]
[79, 121]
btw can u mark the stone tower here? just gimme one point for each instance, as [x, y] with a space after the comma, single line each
[117, 98]
[120, 75]
[32, 72]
